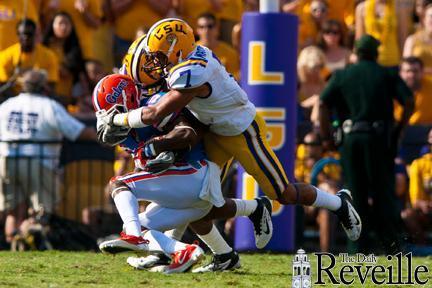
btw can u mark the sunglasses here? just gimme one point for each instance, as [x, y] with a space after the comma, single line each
[319, 9]
[210, 26]
[334, 32]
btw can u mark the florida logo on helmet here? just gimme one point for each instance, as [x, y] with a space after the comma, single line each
[117, 92]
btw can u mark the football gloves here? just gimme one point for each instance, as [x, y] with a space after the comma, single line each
[161, 163]
[107, 133]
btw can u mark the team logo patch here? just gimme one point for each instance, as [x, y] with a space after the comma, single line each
[117, 92]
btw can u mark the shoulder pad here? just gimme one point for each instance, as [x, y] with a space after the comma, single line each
[189, 74]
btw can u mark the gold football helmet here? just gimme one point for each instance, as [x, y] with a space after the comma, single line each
[167, 43]
[133, 65]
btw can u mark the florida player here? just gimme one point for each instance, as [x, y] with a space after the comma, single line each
[174, 191]
[197, 79]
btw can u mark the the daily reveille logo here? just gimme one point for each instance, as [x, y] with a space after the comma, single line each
[357, 269]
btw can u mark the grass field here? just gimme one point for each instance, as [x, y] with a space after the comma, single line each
[72, 269]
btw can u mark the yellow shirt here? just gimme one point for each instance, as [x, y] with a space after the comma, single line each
[308, 30]
[228, 57]
[231, 10]
[421, 179]
[11, 12]
[85, 33]
[41, 58]
[385, 30]
[191, 9]
[64, 84]
[139, 14]
[303, 167]
[423, 102]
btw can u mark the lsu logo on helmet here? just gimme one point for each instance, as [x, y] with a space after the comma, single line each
[168, 42]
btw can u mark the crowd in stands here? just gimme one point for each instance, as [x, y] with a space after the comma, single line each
[78, 42]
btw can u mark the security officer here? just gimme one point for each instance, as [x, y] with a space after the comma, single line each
[362, 95]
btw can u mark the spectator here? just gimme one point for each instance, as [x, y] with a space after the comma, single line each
[341, 10]
[411, 71]
[86, 17]
[328, 178]
[249, 6]
[418, 217]
[62, 39]
[27, 54]
[11, 12]
[331, 42]
[420, 6]
[366, 90]
[189, 10]
[82, 91]
[311, 22]
[382, 20]
[311, 74]
[129, 16]
[208, 32]
[419, 44]
[30, 170]
[229, 15]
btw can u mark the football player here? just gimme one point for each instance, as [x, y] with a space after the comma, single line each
[181, 192]
[197, 79]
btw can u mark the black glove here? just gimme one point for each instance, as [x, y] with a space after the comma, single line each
[161, 163]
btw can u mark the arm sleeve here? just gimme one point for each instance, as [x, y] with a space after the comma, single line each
[331, 92]
[188, 76]
[70, 127]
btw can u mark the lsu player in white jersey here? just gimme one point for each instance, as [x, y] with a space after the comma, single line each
[174, 191]
[197, 80]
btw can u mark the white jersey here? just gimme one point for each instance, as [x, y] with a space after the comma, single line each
[36, 118]
[227, 109]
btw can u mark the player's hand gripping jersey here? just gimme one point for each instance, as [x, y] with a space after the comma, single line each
[227, 109]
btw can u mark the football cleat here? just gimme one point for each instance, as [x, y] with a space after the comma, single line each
[223, 262]
[154, 263]
[184, 259]
[348, 216]
[262, 222]
[125, 243]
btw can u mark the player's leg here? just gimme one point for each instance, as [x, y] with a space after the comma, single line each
[254, 153]
[217, 154]
[127, 206]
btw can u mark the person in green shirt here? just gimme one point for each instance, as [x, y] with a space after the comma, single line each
[361, 97]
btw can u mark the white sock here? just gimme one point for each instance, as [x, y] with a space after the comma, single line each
[159, 242]
[176, 233]
[245, 207]
[327, 200]
[215, 242]
[127, 206]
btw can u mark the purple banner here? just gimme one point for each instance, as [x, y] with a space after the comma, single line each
[268, 69]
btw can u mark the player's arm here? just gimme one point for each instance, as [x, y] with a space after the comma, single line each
[174, 101]
[182, 137]
[185, 83]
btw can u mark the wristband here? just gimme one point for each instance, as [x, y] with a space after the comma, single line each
[134, 118]
[121, 120]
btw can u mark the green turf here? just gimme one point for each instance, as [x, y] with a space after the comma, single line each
[71, 269]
